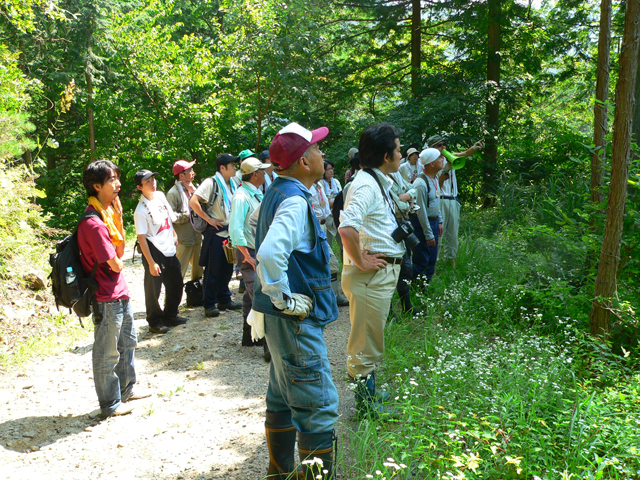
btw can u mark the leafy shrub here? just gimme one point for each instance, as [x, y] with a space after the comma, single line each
[22, 225]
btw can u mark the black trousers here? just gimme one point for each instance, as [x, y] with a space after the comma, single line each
[217, 270]
[170, 277]
[406, 274]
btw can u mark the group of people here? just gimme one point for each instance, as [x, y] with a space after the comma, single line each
[282, 233]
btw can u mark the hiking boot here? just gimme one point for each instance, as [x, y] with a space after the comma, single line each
[229, 306]
[135, 396]
[368, 400]
[158, 328]
[211, 312]
[120, 410]
[174, 321]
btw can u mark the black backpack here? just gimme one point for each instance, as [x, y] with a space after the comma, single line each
[79, 293]
[195, 293]
[338, 204]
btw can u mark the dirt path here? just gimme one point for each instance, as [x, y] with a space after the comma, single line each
[205, 419]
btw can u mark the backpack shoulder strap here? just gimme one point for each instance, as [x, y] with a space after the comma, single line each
[423, 177]
[215, 191]
[86, 215]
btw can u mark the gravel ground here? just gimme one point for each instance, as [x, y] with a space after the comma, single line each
[204, 420]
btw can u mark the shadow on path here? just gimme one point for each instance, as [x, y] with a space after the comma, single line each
[31, 433]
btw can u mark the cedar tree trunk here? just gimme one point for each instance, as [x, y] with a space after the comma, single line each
[625, 99]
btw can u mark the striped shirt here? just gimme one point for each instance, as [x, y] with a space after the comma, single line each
[370, 214]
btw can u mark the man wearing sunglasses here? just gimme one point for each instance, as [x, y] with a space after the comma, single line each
[449, 202]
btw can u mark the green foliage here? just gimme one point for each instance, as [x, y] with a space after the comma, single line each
[22, 223]
[14, 124]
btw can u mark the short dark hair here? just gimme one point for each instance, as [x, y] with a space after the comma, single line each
[376, 141]
[327, 163]
[354, 163]
[247, 176]
[98, 172]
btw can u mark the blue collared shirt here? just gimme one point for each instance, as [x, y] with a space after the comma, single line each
[244, 202]
[291, 229]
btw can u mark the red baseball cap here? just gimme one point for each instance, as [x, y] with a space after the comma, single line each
[291, 142]
[182, 165]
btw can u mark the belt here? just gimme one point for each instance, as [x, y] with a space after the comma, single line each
[432, 219]
[390, 260]
[447, 197]
[393, 260]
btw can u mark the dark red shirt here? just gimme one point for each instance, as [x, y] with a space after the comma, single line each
[95, 244]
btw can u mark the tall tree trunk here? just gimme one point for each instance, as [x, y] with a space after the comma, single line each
[493, 102]
[636, 111]
[600, 110]
[625, 99]
[89, 76]
[27, 156]
[415, 47]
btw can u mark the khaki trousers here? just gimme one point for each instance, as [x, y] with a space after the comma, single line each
[369, 295]
[450, 211]
[190, 256]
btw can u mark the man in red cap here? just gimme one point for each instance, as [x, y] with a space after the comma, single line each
[293, 294]
[189, 241]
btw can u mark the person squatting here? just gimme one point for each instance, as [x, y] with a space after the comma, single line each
[274, 221]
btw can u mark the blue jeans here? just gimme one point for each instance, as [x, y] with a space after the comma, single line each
[300, 375]
[114, 346]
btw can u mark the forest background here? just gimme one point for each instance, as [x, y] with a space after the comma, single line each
[144, 83]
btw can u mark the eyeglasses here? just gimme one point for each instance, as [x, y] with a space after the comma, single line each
[440, 144]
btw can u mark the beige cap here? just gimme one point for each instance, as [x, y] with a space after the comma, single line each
[411, 151]
[252, 164]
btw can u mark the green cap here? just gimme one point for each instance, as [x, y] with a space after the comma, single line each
[245, 154]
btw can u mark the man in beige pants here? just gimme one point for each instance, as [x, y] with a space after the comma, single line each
[372, 259]
[189, 241]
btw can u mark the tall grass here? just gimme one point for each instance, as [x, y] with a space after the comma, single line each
[493, 382]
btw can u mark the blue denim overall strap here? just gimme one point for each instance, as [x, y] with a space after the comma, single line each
[308, 273]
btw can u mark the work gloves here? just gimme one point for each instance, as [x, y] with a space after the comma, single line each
[299, 305]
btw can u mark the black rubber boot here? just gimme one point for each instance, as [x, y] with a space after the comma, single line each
[281, 440]
[368, 399]
[317, 454]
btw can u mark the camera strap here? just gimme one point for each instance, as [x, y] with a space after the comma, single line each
[384, 194]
